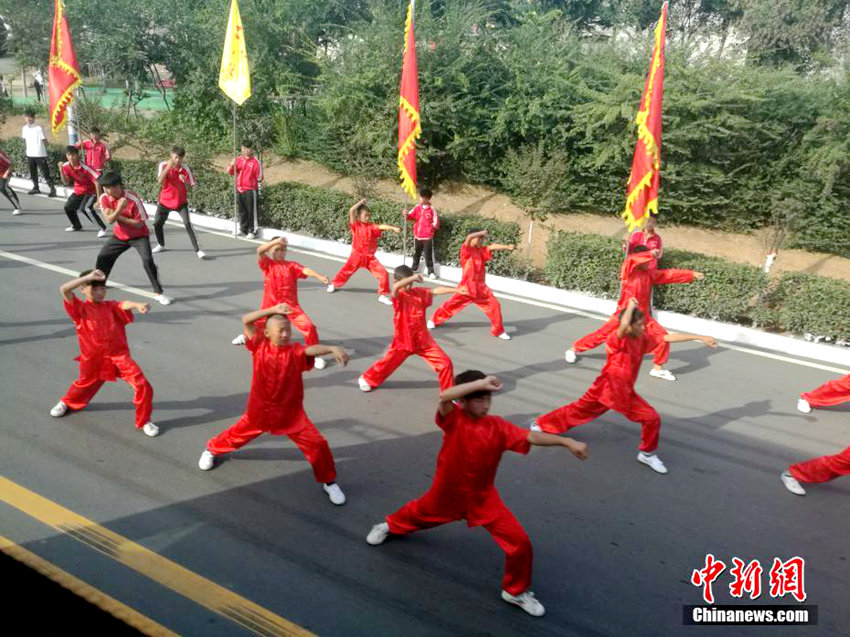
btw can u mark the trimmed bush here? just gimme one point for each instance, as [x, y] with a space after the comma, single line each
[586, 263]
[814, 304]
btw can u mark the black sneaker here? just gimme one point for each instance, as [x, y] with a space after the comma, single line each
[34, 191]
[52, 193]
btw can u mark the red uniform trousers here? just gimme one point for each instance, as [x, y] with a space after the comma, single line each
[822, 469]
[486, 302]
[83, 389]
[436, 358]
[303, 324]
[588, 408]
[357, 261]
[834, 392]
[305, 436]
[430, 511]
[595, 339]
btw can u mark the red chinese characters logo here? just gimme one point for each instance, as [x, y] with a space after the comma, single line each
[705, 577]
[786, 578]
[746, 578]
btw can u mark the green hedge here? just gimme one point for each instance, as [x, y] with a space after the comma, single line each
[814, 304]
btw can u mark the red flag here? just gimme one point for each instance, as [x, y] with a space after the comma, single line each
[642, 193]
[63, 73]
[408, 110]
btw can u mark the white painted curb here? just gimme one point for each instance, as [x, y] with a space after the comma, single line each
[541, 294]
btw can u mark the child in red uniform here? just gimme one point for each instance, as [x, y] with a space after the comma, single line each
[425, 225]
[364, 244]
[473, 259]
[95, 152]
[833, 392]
[637, 278]
[175, 177]
[648, 238]
[821, 469]
[276, 402]
[5, 174]
[410, 335]
[86, 191]
[126, 212]
[104, 353]
[249, 173]
[281, 286]
[615, 386]
[473, 444]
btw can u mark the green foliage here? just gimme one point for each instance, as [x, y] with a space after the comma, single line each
[809, 303]
[584, 263]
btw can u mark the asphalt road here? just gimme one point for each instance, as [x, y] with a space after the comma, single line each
[614, 543]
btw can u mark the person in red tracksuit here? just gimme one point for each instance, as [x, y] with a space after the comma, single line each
[410, 335]
[615, 386]
[473, 259]
[86, 191]
[647, 237]
[426, 222]
[463, 489]
[281, 286]
[822, 469]
[95, 152]
[638, 276]
[249, 174]
[833, 392]
[364, 244]
[104, 353]
[276, 402]
[174, 177]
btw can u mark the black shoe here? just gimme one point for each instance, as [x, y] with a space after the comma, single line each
[34, 191]
[52, 193]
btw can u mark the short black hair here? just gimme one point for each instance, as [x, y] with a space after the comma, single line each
[363, 207]
[86, 273]
[636, 316]
[470, 376]
[179, 151]
[95, 129]
[247, 143]
[425, 192]
[402, 272]
[72, 149]
[29, 112]
[638, 249]
[474, 230]
[110, 178]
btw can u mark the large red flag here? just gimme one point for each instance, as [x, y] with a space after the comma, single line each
[408, 110]
[642, 193]
[63, 73]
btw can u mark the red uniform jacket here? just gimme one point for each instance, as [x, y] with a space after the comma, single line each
[100, 330]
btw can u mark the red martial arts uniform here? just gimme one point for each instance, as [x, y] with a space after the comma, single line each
[276, 406]
[411, 336]
[831, 393]
[638, 284]
[105, 356]
[822, 469]
[364, 244]
[281, 286]
[473, 261]
[613, 389]
[463, 490]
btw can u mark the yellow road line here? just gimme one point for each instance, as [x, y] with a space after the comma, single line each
[152, 565]
[89, 593]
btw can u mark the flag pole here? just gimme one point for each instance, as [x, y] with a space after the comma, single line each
[235, 192]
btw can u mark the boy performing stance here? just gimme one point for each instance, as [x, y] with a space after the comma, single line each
[104, 353]
[473, 443]
[86, 191]
[821, 469]
[95, 152]
[637, 278]
[425, 225]
[831, 393]
[276, 401]
[174, 177]
[615, 386]
[473, 259]
[281, 286]
[249, 172]
[364, 244]
[126, 212]
[410, 335]
[5, 174]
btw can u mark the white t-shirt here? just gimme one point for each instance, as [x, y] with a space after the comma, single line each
[34, 137]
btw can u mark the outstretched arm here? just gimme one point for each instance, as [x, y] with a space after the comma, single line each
[682, 338]
[66, 288]
[385, 228]
[502, 246]
[670, 275]
[141, 308]
[338, 353]
[541, 439]
[250, 318]
[474, 235]
[353, 210]
[316, 275]
[490, 383]
[445, 290]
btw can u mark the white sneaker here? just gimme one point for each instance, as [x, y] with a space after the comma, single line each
[331, 289]
[804, 406]
[101, 234]
[335, 494]
[570, 356]
[432, 276]
[319, 362]
[505, 336]
[534, 426]
[59, 410]
[652, 461]
[431, 325]
[663, 374]
[201, 254]
[250, 235]
[383, 298]
[526, 601]
[72, 229]
[364, 386]
[157, 248]
[16, 212]
[207, 461]
[378, 534]
[792, 484]
[162, 299]
[151, 430]
[239, 340]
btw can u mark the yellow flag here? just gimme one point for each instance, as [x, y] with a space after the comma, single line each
[235, 77]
